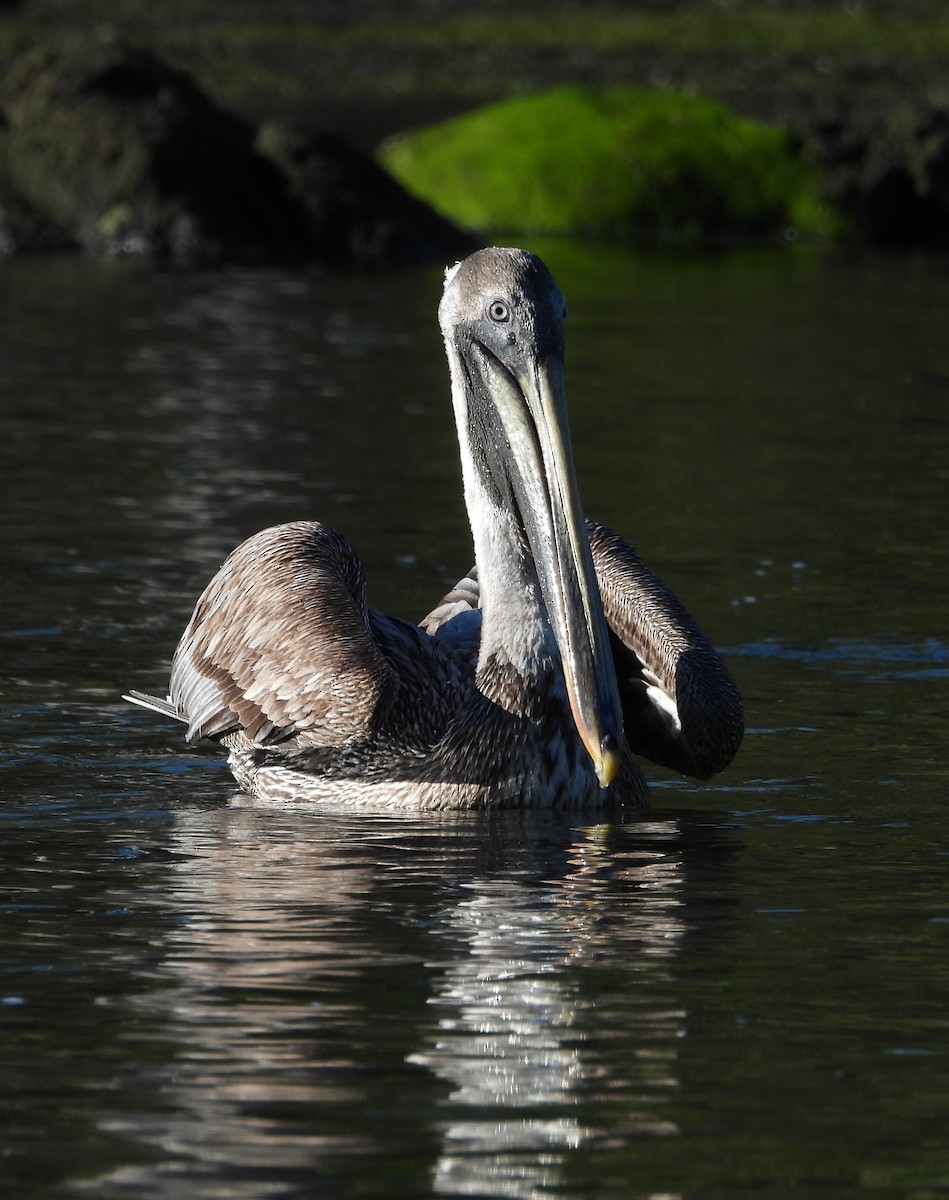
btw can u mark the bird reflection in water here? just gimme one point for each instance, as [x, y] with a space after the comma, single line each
[457, 999]
[516, 1037]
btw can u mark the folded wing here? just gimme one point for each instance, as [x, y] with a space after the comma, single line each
[681, 707]
[279, 645]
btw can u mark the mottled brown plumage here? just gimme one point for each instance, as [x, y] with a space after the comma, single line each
[530, 684]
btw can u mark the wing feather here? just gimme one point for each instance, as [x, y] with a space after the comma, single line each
[680, 704]
[279, 644]
[464, 597]
[455, 620]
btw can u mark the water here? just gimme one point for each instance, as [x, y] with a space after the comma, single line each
[746, 992]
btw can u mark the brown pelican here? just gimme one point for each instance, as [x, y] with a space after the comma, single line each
[531, 684]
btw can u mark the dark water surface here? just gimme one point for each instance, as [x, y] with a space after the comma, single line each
[744, 993]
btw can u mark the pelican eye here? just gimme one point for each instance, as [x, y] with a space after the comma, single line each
[499, 312]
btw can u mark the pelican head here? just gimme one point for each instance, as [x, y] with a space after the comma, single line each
[502, 318]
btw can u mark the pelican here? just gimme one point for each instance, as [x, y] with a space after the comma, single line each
[534, 682]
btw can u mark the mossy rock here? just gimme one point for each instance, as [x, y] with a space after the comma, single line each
[629, 161]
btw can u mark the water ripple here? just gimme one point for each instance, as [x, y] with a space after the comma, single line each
[879, 661]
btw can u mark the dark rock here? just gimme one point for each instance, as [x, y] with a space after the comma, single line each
[360, 215]
[886, 165]
[128, 155]
[105, 147]
[23, 228]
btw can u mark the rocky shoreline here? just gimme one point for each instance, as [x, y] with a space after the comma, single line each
[110, 148]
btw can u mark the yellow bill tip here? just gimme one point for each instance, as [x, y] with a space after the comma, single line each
[606, 763]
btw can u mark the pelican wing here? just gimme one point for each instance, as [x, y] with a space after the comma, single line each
[681, 707]
[457, 616]
[279, 644]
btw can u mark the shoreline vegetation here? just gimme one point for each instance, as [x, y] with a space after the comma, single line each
[643, 164]
[858, 87]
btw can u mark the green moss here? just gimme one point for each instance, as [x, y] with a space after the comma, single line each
[113, 223]
[615, 161]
